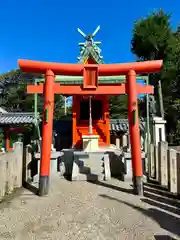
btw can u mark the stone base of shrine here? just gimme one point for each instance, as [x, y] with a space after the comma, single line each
[90, 166]
[85, 166]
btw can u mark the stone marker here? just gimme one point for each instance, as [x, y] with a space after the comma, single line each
[156, 161]
[172, 170]
[163, 165]
[26, 162]
[18, 163]
[152, 171]
[3, 164]
[178, 173]
[107, 171]
[10, 172]
[124, 140]
[118, 145]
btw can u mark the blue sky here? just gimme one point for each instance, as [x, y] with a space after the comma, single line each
[47, 30]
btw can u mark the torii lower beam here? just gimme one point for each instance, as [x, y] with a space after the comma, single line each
[114, 89]
[129, 69]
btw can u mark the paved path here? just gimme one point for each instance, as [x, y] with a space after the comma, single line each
[82, 210]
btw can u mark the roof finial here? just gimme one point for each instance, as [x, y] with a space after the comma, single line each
[89, 36]
[90, 46]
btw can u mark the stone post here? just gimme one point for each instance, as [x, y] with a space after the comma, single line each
[124, 140]
[152, 170]
[172, 170]
[128, 143]
[178, 173]
[11, 172]
[117, 142]
[18, 150]
[26, 163]
[163, 165]
[158, 130]
[156, 161]
[3, 167]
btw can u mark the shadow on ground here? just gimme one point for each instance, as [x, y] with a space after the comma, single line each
[161, 199]
[103, 184]
[31, 188]
[163, 237]
[166, 221]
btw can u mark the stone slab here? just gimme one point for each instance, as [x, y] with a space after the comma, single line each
[172, 170]
[178, 173]
[163, 164]
[152, 162]
[107, 170]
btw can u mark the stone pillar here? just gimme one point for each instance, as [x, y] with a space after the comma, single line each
[128, 142]
[53, 142]
[26, 162]
[124, 140]
[3, 172]
[152, 170]
[163, 165]
[156, 161]
[178, 173]
[158, 130]
[118, 142]
[172, 170]
[18, 150]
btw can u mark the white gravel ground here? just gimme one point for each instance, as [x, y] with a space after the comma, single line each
[82, 210]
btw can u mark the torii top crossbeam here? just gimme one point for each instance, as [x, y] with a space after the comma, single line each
[77, 69]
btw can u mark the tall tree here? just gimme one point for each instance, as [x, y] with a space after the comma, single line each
[118, 106]
[153, 39]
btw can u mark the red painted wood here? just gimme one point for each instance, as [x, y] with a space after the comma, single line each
[111, 89]
[77, 69]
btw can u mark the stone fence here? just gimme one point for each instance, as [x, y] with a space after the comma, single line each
[164, 167]
[12, 174]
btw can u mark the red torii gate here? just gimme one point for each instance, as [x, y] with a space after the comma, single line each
[90, 87]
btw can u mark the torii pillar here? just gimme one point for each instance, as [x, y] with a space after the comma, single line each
[133, 117]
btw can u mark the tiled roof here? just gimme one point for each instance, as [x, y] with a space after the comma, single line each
[116, 125]
[121, 125]
[17, 118]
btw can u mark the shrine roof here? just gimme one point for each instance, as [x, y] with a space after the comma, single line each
[122, 125]
[17, 118]
[116, 125]
[76, 80]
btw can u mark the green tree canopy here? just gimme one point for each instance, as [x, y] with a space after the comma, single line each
[118, 106]
[14, 97]
[153, 38]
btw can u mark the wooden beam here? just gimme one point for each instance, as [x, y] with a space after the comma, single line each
[103, 69]
[101, 90]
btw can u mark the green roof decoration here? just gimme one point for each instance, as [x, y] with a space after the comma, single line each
[90, 47]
